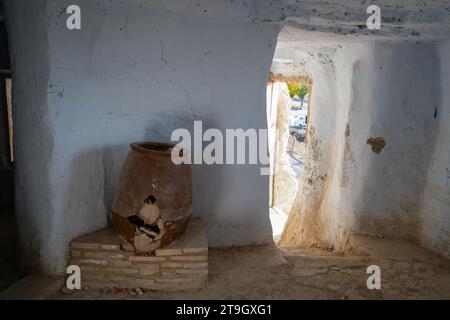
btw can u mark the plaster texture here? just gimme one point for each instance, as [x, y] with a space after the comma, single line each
[139, 69]
[134, 72]
[391, 91]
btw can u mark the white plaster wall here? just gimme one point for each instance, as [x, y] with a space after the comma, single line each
[435, 214]
[362, 90]
[394, 94]
[134, 72]
[139, 69]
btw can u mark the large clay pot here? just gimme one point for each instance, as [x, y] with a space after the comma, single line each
[153, 202]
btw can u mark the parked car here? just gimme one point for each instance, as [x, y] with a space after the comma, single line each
[299, 132]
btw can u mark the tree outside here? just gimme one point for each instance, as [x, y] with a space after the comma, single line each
[299, 90]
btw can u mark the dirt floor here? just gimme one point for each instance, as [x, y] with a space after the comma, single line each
[268, 272]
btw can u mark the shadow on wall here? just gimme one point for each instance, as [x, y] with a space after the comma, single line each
[94, 174]
[89, 190]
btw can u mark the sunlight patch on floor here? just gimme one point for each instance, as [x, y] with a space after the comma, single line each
[278, 220]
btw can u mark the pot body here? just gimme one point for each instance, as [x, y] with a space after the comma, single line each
[151, 182]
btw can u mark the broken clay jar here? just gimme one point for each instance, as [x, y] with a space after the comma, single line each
[153, 202]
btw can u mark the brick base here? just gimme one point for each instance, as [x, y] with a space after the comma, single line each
[107, 260]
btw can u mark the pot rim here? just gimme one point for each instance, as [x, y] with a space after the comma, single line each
[146, 147]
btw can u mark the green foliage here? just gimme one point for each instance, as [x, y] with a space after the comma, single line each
[303, 91]
[296, 89]
[293, 89]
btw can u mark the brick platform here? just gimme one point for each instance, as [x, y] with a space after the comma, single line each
[107, 260]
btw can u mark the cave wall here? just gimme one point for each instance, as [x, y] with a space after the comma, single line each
[138, 70]
[395, 94]
[135, 71]
[435, 213]
[387, 90]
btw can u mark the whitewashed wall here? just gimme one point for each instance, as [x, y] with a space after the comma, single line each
[139, 69]
[133, 72]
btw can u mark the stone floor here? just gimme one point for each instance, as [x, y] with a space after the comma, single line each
[266, 272]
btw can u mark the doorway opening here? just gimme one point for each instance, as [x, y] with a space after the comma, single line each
[288, 105]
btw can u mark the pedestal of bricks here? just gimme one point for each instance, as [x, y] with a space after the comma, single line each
[107, 260]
